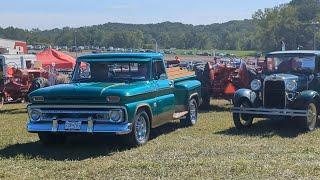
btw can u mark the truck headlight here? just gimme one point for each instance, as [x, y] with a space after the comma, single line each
[255, 85]
[291, 85]
[35, 115]
[116, 116]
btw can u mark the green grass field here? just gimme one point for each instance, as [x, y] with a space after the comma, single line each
[211, 149]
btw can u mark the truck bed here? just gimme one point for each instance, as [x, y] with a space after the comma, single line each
[177, 73]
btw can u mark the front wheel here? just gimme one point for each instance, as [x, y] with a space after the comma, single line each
[242, 121]
[310, 121]
[140, 130]
[192, 116]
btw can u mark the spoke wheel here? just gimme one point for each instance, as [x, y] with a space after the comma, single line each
[311, 119]
[242, 121]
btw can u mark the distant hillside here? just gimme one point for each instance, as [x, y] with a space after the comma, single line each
[230, 35]
[294, 23]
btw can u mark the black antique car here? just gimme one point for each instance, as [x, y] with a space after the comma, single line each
[288, 87]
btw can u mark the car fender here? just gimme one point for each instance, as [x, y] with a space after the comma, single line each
[197, 97]
[248, 94]
[305, 97]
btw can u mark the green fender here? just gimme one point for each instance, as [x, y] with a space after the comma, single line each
[305, 97]
[248, 94]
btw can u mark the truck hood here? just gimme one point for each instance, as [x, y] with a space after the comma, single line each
[95, 92]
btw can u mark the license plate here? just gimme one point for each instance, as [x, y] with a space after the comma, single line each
[72, 125]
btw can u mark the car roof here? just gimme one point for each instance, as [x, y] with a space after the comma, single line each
[107, 56]
[314, 52]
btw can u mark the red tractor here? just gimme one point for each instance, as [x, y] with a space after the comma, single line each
[222, 79]
[19, 82]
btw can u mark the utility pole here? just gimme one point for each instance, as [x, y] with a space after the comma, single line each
[315, 26]
[156, 43]
[75, 42]
[283, 46]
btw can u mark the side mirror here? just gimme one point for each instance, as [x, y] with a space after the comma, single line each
[163, 76]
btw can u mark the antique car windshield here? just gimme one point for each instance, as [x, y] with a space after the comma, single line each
[119, 72]
[291, 64]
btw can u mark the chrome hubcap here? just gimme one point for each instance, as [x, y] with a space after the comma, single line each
[193, 112]
[312, 116]
[141, 129]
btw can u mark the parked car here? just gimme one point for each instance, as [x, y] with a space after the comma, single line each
[124, 94]
[289, 87]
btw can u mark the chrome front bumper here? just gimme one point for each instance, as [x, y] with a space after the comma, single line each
[86, 127]
[274, 112]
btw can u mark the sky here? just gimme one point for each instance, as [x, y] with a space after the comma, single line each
[49, 14]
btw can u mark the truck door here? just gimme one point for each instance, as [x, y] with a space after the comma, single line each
[164, 93]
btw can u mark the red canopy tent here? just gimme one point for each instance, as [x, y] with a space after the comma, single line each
[50, 57]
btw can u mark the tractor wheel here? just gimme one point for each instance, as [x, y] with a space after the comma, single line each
[38, 83]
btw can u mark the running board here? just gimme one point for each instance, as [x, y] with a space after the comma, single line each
[179, 114]
[275, 112]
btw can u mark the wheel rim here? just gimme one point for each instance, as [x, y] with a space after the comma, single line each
[193, 112]
[141, 129]
[245, 119]
[312, 116]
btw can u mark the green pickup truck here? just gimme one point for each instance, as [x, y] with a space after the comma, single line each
[125, 94]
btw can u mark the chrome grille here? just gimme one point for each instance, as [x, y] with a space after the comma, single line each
[274, 94]
[77, 112]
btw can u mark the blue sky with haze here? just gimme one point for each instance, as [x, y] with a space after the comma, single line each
[45, 14]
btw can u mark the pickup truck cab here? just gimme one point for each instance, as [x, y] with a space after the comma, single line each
[124, 94]
[289, 87]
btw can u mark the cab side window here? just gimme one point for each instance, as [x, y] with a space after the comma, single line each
[158, 70]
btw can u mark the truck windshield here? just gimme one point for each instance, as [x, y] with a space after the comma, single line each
[111, 72]
[291, 64]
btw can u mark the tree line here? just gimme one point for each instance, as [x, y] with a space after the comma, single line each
[293, 23]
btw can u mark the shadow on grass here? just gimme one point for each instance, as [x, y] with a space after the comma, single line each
[269, 127]
[13, 111]
[215, 108]
[80, 147]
